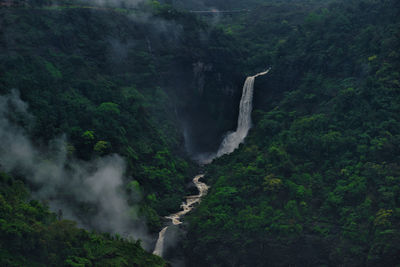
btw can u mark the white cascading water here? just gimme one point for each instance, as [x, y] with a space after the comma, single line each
[234, 139]
[158, 250]
[186, 207]
[228, 145]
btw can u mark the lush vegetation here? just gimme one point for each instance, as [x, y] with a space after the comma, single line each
[110, 81]
[30, 235]
[317, 181]
[71, 66]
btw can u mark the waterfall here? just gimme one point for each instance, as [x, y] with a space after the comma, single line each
[229, 144]
[158, 250]
[233, 139]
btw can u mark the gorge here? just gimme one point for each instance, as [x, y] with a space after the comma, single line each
[229, 144]
[112, 111]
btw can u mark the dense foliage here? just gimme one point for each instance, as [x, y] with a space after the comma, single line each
[111, 80]
[30, 235]
[71, 66]
[318, 179]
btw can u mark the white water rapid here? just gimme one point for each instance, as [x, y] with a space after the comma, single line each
[186, 206]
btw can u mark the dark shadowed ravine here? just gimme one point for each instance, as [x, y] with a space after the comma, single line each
[231, 141]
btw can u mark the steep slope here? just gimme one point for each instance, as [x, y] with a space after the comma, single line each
[317, 180]
[118, 80]
[99, 80]
[30, 235]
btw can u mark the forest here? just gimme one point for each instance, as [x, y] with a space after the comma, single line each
[105, 107]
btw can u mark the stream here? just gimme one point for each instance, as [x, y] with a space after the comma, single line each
[231, 142]
[186, 206]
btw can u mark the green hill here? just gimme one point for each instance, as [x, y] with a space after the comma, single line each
[317, 181]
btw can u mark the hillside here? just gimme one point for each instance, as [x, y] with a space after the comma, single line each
[317, 181]
[106, 105]
[32, 236]
[81, 83]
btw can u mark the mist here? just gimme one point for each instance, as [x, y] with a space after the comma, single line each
[90, 193]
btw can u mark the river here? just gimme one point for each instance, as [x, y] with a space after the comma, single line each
[186, 206]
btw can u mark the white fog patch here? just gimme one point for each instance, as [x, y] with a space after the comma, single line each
[66, 183]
